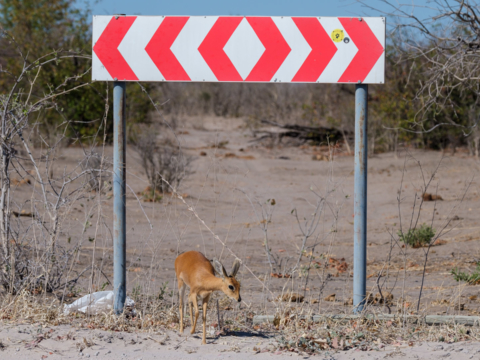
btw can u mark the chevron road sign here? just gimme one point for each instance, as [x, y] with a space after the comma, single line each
[238, 48]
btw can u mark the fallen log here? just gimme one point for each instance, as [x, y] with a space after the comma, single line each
[318, 134]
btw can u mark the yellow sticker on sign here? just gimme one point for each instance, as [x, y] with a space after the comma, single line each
[337, 35]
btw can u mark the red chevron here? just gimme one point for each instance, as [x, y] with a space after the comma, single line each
[159, 46]
[276, 49]
[106, 48]
[369, 50]
[323, 49]
[212, 48]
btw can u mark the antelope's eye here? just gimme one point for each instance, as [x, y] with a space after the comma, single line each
[231, 287]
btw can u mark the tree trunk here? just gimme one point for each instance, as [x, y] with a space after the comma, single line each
[476, 141]
[5, 219]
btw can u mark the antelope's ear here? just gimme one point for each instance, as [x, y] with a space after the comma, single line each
[219, 268]
[235, 267]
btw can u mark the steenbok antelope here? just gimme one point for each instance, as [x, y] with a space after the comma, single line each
[194, 270]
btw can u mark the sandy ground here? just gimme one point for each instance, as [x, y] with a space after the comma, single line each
[229, 168]
[236, 169]
[64, 342]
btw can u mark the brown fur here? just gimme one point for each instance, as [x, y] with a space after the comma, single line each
[194, 270]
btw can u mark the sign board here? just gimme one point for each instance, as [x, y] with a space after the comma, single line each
[239, 49]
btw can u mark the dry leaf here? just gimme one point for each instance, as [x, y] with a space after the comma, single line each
[247, 157]
[88, 343]
[330, 297]
[387, 298]
[291, 297]
[16, 182]
[319, 157]
[340, 265]
[322, 343]
[280, 276]
[441, 302]
[22, 213]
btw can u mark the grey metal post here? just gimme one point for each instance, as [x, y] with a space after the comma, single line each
[119, 213]
[360, 199]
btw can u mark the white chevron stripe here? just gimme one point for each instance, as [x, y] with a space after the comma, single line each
[344, 55]
[133, 47]
[99, 73]
[185, 47]
[244, 48]
[298, 54]
[377, 74]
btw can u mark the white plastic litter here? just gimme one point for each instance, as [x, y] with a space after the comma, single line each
[95, 303]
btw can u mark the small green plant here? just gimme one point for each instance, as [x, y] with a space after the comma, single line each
[418, 237]
[74, 291]
[471, 279]
[136, 292]
[163, 290]
[151, 195]
[104, 286]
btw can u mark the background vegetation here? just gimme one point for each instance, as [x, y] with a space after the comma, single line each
[399, 113]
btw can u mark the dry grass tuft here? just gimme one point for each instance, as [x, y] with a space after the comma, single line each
[27, 308]
[299, 333]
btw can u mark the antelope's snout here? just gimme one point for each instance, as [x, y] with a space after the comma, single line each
[239, 298]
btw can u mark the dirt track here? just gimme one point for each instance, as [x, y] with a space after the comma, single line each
[64, 342]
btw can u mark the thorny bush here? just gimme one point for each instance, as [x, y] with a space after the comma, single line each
[162, 159]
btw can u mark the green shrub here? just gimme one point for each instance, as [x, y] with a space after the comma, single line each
[151, 195]
[418, 237]
[471, 279]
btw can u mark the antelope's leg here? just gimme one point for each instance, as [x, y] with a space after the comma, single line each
[181, 289]
[204, 318]
[193, 300]
[191, 313]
